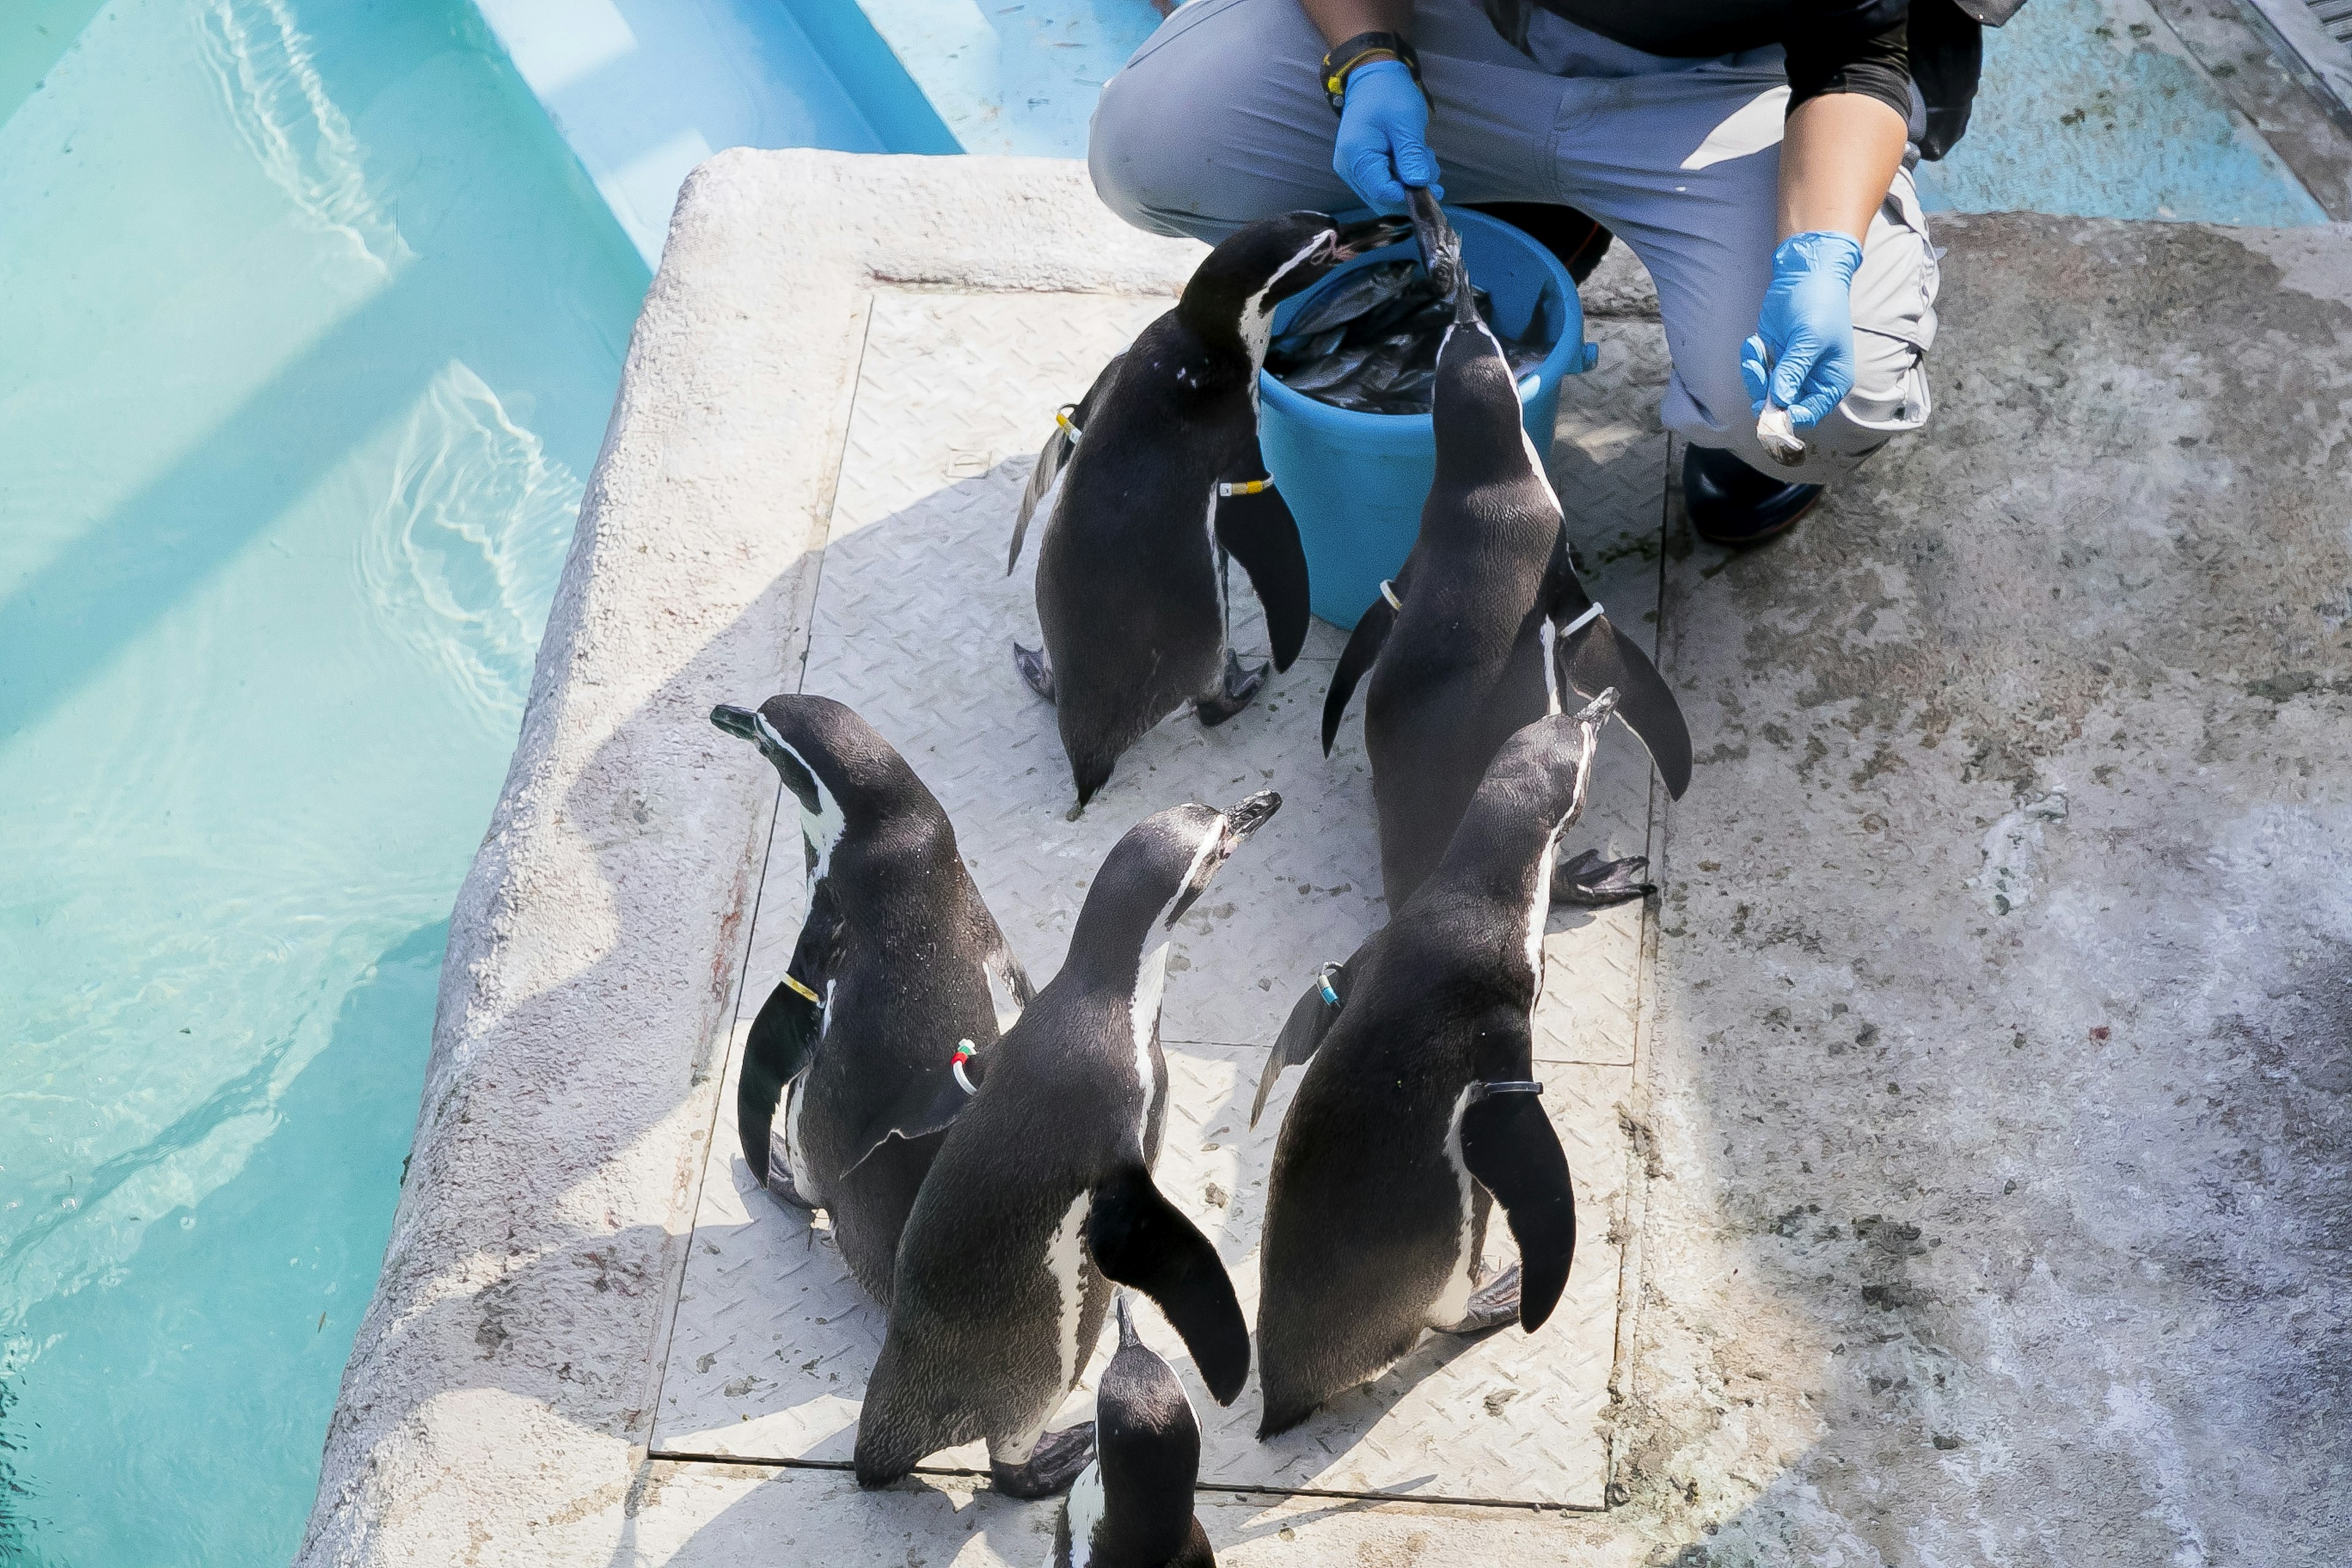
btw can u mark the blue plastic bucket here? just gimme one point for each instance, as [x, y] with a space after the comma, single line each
[1356, 481]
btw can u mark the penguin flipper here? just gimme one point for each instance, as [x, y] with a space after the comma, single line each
[1509, 1145]
[1597, 656]
[1310, 1019]
[1364, 645]
[1050, 461]
[1055, 456]
[782, 1039]
[1260, 533]
[921, 1111]
[1137, 1237]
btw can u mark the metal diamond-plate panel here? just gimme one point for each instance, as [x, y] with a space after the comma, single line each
[773, 1340]
[914, 620]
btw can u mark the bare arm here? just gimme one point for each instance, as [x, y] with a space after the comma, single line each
[1838, 155]
[1340, 20]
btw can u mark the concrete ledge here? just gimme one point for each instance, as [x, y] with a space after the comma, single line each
[499, 1384]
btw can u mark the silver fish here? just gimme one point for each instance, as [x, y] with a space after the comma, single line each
[1351, 297]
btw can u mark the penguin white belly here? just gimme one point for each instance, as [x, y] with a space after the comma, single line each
[1086, 1511]
[794, 1152]
[1452, 1303]
[1150, 981]
[1066, 1261]
[1538, 915]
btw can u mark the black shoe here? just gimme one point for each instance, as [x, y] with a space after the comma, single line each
[1731, 503]
[1579, 241]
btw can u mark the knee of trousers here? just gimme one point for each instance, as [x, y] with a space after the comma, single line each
[1144, 158]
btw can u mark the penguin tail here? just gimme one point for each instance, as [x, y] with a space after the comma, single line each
[1596, 656]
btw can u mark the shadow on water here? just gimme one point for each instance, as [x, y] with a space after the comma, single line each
[267, 1335]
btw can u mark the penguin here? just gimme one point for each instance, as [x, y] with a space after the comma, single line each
[1487, 624]
[1042, 1195]
[1419, 1108]
[1149, 482]
[1132, 1506]
[898, 988]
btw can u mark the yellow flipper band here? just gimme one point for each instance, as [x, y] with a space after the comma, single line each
[801, 990]
[1246, 488]
[1389, 593]
[1062, 418]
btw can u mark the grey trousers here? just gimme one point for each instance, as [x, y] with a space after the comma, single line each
[1219, 119]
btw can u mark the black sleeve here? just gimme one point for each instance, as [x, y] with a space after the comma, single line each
[1874, 64]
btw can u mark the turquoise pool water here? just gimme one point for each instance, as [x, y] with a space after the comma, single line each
[308, 328]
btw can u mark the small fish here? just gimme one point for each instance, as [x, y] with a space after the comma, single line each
[1355, 294]
[1372, 343]
[1524, 357]
[1328, 372]
[1292, 350]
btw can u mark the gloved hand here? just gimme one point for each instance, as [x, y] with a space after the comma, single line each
[1804, 333]
[1384, 143]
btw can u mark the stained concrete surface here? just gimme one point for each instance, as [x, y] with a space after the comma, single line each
[1987, 1160]
[1998, 1083]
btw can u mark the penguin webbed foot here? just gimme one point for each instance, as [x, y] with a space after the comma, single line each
[780, 1187]
[1241, 686]
[1036, 669]
[1051, 1467]
[1492, 1305]
[1592, 883]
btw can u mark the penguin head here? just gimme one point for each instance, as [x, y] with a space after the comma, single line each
[1532, 792]
[1148, 1443]
[1232, 293]
[1474, 406]
[844, 776]
[1152, 877]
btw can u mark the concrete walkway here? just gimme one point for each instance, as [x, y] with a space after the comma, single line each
[1978, 1178]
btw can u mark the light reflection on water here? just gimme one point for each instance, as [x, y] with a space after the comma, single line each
[312, 331]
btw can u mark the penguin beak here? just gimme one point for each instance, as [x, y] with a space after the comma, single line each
[1127, 1335]
[1232, 827]
[1354, 239]
[1248, 817]
[739, 722]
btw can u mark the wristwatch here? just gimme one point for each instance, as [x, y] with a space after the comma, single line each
[1347, 56]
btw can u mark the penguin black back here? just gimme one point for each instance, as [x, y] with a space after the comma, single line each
[1129, 585]
[898, 963]
[1487, 626]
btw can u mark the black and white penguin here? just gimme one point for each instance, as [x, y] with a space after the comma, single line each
[1419, 1106]
[1486, 623]
[1042, 1195]
[1132, 1506]
[1149, 482]
[896, 990]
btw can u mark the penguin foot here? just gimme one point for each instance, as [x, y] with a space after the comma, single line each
[1492, 1305]
[781, 1188]
[1596, 884]
[1036, 669]
[1052, 1465]
[1241, 686]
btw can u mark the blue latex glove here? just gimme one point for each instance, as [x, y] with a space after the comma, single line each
[1804, 333]
[1384, 143]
